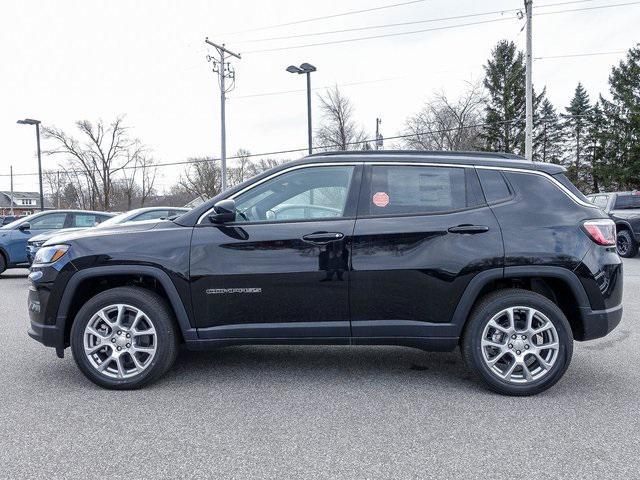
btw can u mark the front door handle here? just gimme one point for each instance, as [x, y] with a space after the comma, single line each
[469, 229]
[322, 238]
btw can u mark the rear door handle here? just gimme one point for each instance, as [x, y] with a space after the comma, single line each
[321, 238]
[469, 229]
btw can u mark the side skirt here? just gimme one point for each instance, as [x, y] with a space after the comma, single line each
[431, 344]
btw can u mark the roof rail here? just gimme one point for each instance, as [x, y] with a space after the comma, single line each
[441, 153]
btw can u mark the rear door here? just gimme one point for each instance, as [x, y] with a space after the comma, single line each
[422, 233]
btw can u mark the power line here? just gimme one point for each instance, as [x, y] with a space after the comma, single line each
[304, 149]
[413, 32]
[325, 17]
[414, 22]
[581, 54]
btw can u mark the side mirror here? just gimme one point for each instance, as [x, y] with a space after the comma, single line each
[24, 227]
[224, 211]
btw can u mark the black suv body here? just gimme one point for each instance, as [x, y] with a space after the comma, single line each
[624, 210]
[424, 249]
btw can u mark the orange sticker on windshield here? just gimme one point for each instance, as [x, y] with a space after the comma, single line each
[381, 199]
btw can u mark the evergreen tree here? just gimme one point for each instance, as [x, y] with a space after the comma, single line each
[595, 142]
[576, 125]
[621, 140]
[505, 84]
[549, 135]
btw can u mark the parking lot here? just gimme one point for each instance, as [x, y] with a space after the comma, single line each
[317, 412]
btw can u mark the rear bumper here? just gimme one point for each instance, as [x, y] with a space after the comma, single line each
[598, 323]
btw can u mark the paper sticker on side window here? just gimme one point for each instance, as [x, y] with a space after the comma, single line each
[380, 199]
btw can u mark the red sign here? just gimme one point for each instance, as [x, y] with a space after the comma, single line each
[381, 199]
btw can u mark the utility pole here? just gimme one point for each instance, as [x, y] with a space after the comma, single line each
[378, 135]
[31, 121]
[58, 187]
[307, 69]
[224, 71]
[529, 93]
[11, 175]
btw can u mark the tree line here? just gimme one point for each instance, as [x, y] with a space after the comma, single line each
[105, 167]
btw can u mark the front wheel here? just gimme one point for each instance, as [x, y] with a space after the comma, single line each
[124, 338]
[626, 244]
[518, 342]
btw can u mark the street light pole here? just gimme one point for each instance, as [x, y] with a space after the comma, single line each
[308, 69]
[31, 121]
[309, 134]
[528, 4]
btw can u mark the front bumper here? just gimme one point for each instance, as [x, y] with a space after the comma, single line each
[598, 323]
[49, 335]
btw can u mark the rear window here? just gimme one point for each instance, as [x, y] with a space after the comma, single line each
[406, 190]
[494, 185]
[627, 201]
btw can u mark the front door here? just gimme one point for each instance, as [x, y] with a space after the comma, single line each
[282, 268]
[422, 233]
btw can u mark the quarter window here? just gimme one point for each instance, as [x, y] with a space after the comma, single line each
[398, 190]
[304, 194]
[494, 186]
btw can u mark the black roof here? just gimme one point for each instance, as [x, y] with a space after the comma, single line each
[490, 159]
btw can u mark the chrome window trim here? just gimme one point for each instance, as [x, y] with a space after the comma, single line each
[548, 176]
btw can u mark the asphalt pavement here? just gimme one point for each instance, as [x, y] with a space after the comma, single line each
[317, 412]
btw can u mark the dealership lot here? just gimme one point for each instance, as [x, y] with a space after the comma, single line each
[321, 412]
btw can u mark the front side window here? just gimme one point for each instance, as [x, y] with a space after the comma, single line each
[406, 190]
[303, 194]
[631, 201]
[50, 221]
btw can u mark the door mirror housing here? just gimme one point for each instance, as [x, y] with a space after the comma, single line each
[224, 211]
[24, 227]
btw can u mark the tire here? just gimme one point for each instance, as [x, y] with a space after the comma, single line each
[538, 373]
[626, 245]
[3, 263]
[149, 344]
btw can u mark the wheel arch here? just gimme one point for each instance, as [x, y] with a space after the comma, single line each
[68, 307]
[558, 284]
[623, 225]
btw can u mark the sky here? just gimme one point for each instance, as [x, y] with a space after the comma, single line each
[145, 60]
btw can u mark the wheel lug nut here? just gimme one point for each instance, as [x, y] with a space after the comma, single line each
[113, 340]
[128, 335]
[511, 345]
[518, 352]
[524, 337]
[128, 345]
[514, 336]
[526, 347]
[119, 332]
[119, 348]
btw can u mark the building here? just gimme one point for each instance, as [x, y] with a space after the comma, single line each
[24, 203]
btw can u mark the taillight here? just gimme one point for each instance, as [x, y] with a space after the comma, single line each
[601, 231]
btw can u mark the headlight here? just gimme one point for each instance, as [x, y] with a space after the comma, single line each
[50, 254]
[36, 244]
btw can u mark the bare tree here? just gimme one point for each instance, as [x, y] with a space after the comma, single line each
[445, 124]
[202, 178]
[338, 130]
[103, 151]
[148, 172]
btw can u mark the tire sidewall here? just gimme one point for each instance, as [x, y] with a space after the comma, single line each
[527, 299]
[155, 311]
[3, 263]
[632, 247]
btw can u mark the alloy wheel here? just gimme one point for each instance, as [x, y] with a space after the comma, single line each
[520, 345]
[622, 244]
[120, 341]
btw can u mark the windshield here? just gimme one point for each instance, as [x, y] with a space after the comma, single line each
[17, 222]
[115, 220]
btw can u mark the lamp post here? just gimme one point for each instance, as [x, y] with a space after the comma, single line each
[306, 68]
[31, 121]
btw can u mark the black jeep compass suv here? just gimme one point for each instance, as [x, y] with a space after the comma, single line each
[434, 250]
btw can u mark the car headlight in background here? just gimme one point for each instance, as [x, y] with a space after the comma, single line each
[50, 254]
[36, 244]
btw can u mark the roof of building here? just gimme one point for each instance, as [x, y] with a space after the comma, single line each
[5, 199]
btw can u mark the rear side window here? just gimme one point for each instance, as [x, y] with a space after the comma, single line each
[406, 190]
[562, 178]
[600, 201]
[627, 201]
[85, 220]
[494, 185]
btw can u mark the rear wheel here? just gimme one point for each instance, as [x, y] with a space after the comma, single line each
[124, 338]
[518, 342]
[626, 244]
